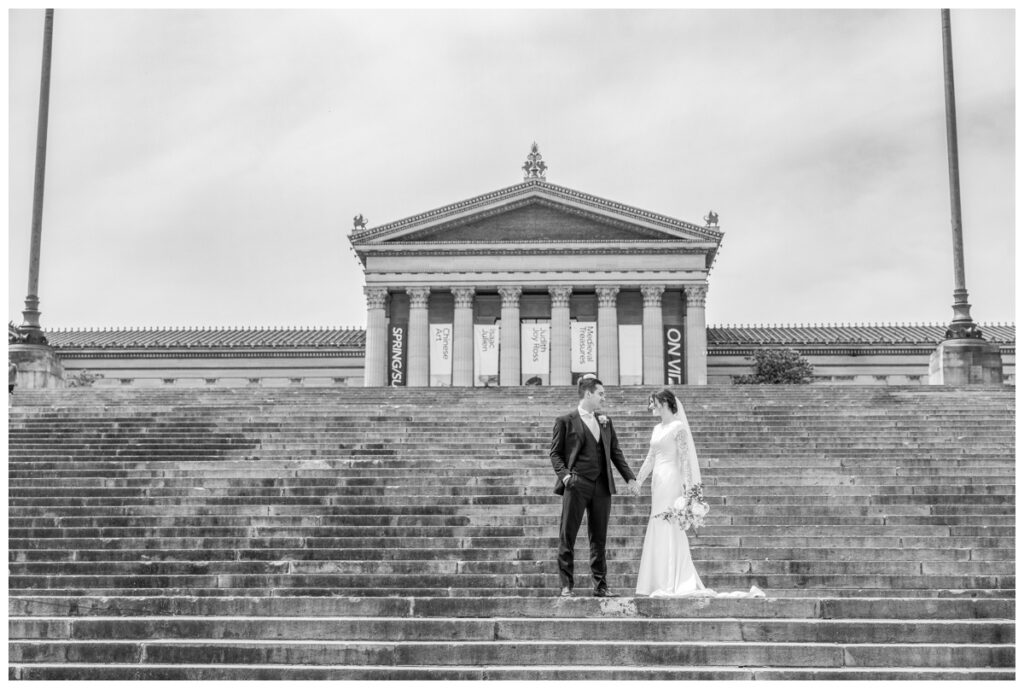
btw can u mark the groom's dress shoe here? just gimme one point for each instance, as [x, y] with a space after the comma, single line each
[566, 592]
[605, 593]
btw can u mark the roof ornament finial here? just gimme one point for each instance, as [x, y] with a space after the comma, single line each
[534, 167]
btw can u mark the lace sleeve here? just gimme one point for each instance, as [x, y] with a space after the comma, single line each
[646, 469]
[682, 457]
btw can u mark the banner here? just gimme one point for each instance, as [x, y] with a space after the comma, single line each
[583, 347]
[631, 354]
[396, 354]
[536, 348]
[674, 355]
[440, 353]
[485, 354]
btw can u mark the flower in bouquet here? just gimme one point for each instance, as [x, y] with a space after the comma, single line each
[697, 506]
[688, 510]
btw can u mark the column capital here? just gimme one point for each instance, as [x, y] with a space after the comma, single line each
[510, 296]
[560, 296]
[606, 296]
[464, 297]
[696, 295]
[418, 297]
[375, 297]
[652, 294]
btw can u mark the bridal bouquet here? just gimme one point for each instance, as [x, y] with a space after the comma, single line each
[688, 511]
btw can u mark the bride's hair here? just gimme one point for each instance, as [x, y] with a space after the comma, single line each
[663, 397]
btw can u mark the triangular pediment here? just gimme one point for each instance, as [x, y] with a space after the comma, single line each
[534, 220]
[531, 212]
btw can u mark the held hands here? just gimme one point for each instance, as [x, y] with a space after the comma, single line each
[631, 486]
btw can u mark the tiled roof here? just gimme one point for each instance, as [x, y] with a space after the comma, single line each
[148, 338]
[718, 335]
[848, 333]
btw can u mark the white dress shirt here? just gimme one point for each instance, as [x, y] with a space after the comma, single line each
[591, 422]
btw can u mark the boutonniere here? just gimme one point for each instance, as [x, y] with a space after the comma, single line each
[603, 420]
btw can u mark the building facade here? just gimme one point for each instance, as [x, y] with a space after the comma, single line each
[275, 357]
[535, 284]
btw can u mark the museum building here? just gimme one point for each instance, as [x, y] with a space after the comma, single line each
[533, 284]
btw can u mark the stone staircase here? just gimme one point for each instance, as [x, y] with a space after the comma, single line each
[304, 533]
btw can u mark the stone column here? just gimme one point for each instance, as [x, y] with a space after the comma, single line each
[419, 337]
[654, 348]
[608, 335]
[696, 335]
[462, 346]
[376, 355]
[509, 357]
[560, 346]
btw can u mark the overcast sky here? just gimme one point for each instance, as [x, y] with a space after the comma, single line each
[204, 166]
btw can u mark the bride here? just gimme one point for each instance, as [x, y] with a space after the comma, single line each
[666, 568]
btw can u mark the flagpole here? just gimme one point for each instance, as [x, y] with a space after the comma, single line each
[962, 325]
[31, 329]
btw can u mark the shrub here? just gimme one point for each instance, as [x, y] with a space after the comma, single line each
[82, 379]
[778, 366]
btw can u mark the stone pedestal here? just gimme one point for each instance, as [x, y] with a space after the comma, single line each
[969, 361]
[38, 366]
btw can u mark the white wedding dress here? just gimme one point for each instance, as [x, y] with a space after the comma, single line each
[666, 567]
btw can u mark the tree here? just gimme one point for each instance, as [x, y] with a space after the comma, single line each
[778, 366]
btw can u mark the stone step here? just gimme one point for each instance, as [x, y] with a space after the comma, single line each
[341, 516]
[514, 629]
[461, 526]
[972, 484]
[545, 592]
[708, 548]
[580, 653]
[521, 536]
[620, 566]
[736, 503]
[705, 548]
[376, 583]
[513, 607]
[151, 672]
[491, 478]
[699, 552]
[423, 528]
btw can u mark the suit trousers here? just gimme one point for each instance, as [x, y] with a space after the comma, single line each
[595, 500]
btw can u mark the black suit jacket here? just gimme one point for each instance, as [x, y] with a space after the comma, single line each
[566, 441]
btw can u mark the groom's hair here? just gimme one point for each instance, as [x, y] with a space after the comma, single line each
[587, 384]
[664, 397]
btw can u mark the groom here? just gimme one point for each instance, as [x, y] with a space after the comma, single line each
[583, 448]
